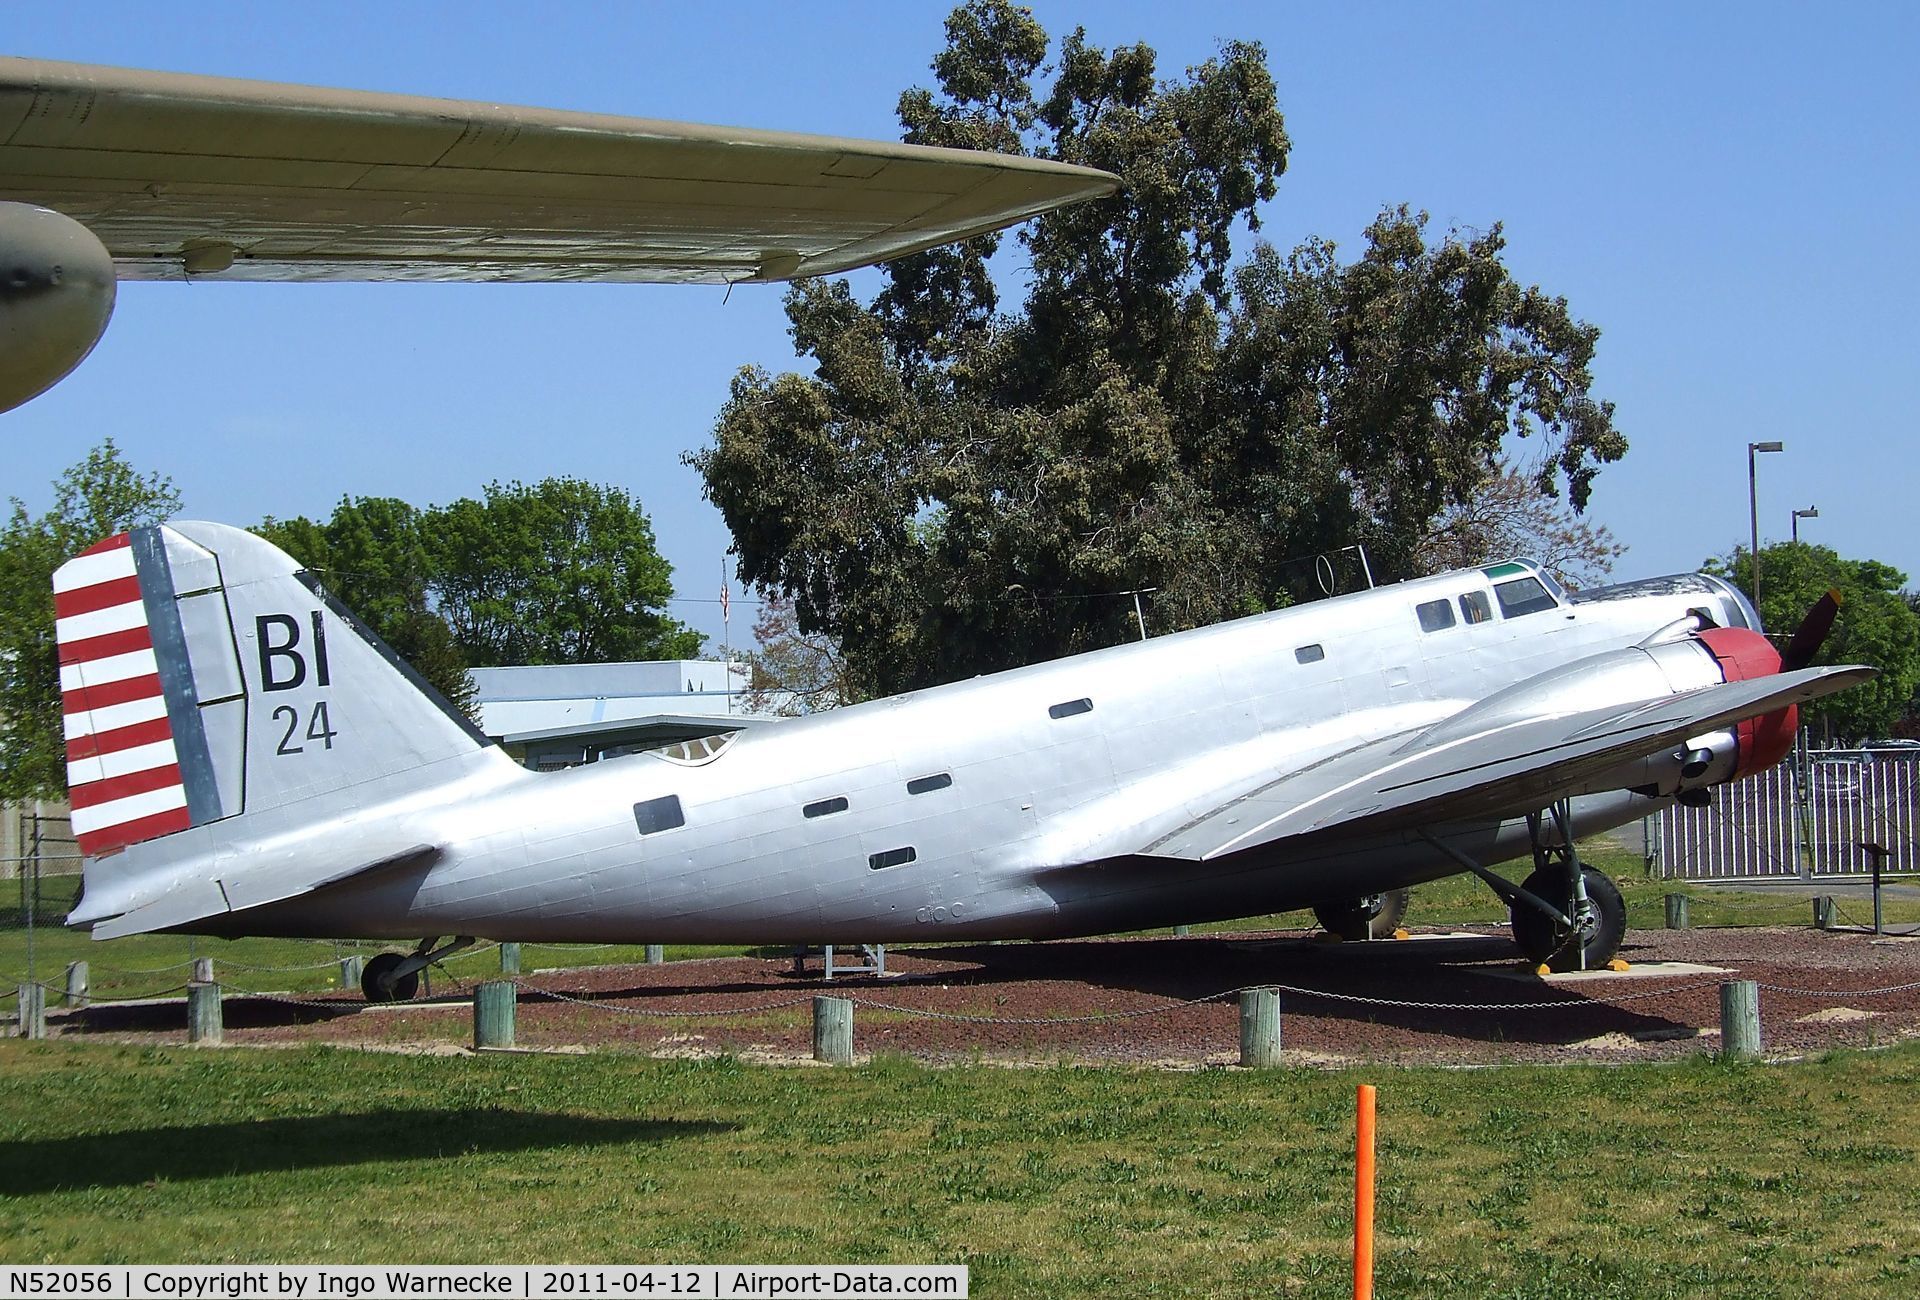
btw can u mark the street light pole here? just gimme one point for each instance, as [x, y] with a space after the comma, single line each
[1753, 510]
[1811, 512]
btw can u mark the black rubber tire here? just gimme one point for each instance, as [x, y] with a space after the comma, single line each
[1546, 944]
[1376, 916]
[374, 976]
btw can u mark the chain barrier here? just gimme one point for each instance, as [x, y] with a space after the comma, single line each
[596, 1005]
[1841, 993]
[1858, 924]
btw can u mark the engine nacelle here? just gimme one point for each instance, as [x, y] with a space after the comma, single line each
[57, 288]
[1650, 671]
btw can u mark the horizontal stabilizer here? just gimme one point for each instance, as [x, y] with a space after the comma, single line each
[197, 899]
[1509, 769]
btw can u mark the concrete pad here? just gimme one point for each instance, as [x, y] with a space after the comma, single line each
[1644, 970]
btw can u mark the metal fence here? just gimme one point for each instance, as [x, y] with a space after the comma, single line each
[1807, 817]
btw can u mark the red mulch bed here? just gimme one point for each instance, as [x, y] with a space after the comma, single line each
[757, 1008]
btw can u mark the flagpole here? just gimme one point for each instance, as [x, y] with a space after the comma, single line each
[726, 634]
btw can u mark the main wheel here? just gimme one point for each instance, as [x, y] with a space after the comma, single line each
[378, 983]
[1376, 916]
[1551, 945]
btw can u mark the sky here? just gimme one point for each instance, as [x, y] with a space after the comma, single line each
[1726, 190]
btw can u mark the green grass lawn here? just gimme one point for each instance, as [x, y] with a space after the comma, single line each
[1686, 1179]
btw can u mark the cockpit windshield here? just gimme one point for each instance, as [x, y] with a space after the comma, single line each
[1523, 587]
[692, 753]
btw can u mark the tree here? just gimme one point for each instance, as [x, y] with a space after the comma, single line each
[1510, 517]
[101, 496]
[794, 672]
[957, 489]
[1875, 626]
[559, 572]
[371, 556]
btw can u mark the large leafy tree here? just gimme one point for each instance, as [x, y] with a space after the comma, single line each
[372, 556]
[95, 499]
[958, 488]
[1876, 625]
[560, 571]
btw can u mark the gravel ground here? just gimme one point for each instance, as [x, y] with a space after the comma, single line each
[1139, 1001]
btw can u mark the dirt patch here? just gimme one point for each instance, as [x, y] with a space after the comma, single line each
[1451, 998]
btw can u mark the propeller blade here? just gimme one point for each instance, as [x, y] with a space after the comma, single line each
[1811, 634]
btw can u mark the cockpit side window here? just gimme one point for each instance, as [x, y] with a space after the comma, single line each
[1523, 596]
[1476, 608]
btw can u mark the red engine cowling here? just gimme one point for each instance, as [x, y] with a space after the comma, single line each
[1742, 655]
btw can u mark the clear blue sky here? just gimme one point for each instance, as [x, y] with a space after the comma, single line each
[1727, 190]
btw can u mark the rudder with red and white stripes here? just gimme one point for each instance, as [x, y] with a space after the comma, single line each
[137, 763]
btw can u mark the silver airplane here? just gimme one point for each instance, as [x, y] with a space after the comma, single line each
[245, 758]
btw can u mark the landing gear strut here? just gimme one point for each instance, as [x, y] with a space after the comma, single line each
[395, 977]
[1376, 916]
[1584, 920]
[1565, 916]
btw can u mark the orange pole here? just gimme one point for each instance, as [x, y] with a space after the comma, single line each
[1363, 1197]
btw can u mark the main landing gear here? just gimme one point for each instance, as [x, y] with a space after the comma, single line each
[395, 977]
[1376, 916]
[1565, 916]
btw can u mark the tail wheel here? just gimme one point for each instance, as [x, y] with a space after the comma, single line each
[379, 984]
[1376, 916]
[1599, 932]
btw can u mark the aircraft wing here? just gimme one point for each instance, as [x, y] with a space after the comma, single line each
[179, 173]
[1510, 769]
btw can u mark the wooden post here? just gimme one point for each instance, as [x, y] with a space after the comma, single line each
[509, 959]
[202, 970]
[204, 1024]
[656, 954]
[32, 1000]
[1363, 1194]
[351, 969]
[76, 995]
[1260, 1028]
[1740, 1020]
[1823, 912]
[833, 1030]
[493, 1008]
[1676, 911]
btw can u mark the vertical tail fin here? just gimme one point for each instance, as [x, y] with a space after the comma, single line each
[205, 679]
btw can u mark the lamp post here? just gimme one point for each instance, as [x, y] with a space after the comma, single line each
[1753, 510]
[1811, 512]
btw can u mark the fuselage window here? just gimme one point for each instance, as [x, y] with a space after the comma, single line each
[1309, 654]
[1476, 608]
[661, 814]
[1069, 708]
[824, 807]
[1523, 596]
[890, 858]
[928, 784]
[1434, 615]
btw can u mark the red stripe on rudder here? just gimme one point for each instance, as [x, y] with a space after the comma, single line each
[106, 645]
[101, 595]
[113, 543]
[93, 843]
[124, 691]
[112, 742]
[95, 793]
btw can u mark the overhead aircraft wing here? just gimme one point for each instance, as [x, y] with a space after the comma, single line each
[179, 173]
[1512, 768]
